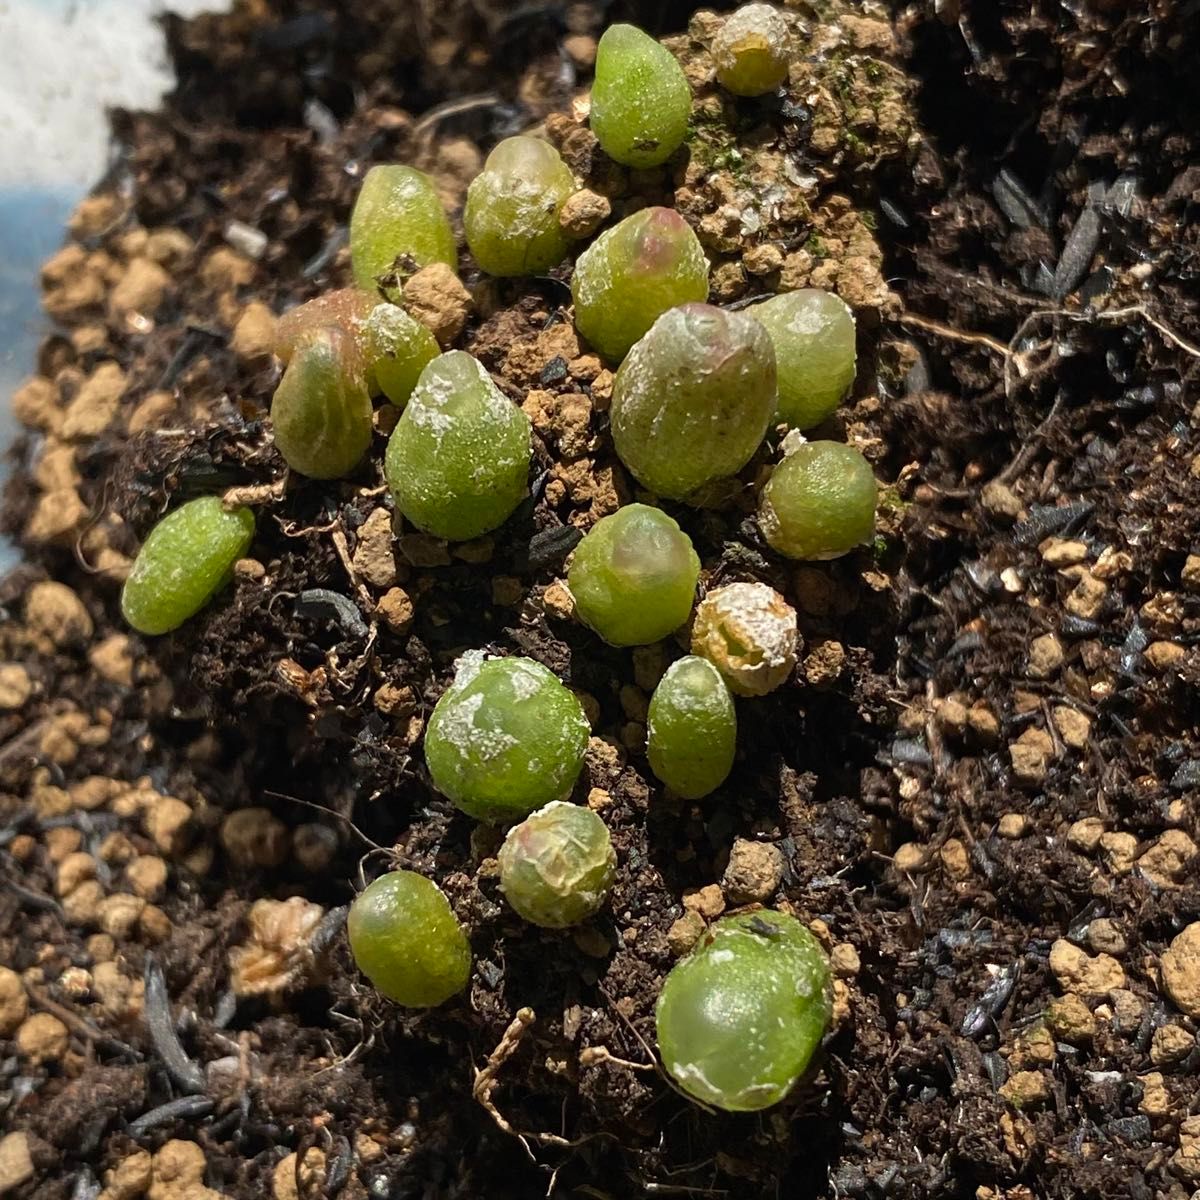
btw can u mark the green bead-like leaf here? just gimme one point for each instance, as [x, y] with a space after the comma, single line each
[691, 729]
[631, 274]
[407, 941]
[398, 216]
[692, 401]
[321, 411]
[740, 1018]
[813, 335]
[641, 100]
[511, 215]
[634, 576]
[506, 738]
[458, 460]
[557, 865]
[187, 557]
[819, 502]
[751, 50]
[394, 347]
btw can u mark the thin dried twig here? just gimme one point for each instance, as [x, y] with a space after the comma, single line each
[255, 493]
[954, 335]
[72, 1020]
[1123, 314]
[332, 812]
[338, 537]
[451, 108]
[1018, 362]
[1032, 443]
[486, 1082]
[592, 1056]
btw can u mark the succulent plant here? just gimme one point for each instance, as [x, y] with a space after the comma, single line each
[458, 460]
[692, 401]
[751, 50]
[506, 738]
[641, 100]
[740, 1017]
[557, 865]
[819, 502]
[748, 632]
[321, 411]
[631, 274]
[633, 576]
[813, 335]
[407, 941]
[398, 217]
[185, 559]
[511, 215]
[394, 347]
[342, 308]
[691, 730]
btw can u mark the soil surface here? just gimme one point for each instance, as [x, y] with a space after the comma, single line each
[979, 787]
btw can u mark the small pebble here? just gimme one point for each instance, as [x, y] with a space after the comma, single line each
[1181, 970]
[956, 861]
[1119, 850]
[1162, 656]
[1167, 862]
[708, 901]
[1078, 972]
[1013, 826]
[1105, 937]
[42, 1038]
[15, 686]
[685, 932]
[311, 1176]
[14, 1004]
[844, 960]
[1070, 1020]
[1084, 835]
[1045, 656]
[754, 872]
[911, 859]
[16, 1162]
[1169, 1044]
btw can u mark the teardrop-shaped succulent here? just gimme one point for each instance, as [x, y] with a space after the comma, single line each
[186, 558]
[505, 738]
[511, 215]
[631, 274]
[641, 100]
[751, 50]
[398, 218]
[394, 347]
[813, 334]
[634, 576]
[819, 502]
[740, 1017]
[692, 401]
[321, 411]
[407, 941]
[458, 460]
[343, 308]
[691, 728]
